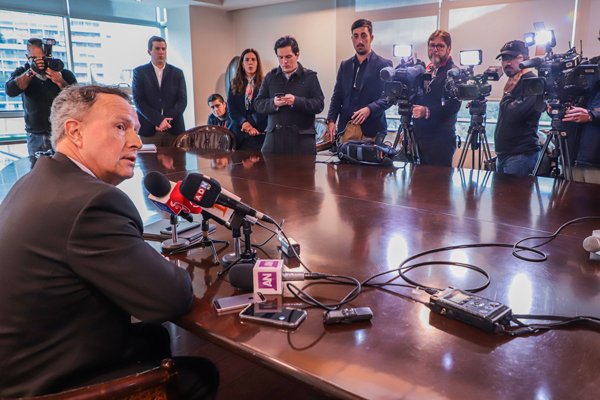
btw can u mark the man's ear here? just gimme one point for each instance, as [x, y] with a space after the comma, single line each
[149, 52]
[73, 132]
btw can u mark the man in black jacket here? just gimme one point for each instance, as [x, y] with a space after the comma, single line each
[38, 87]
[291, 95]
[516, 140]
[434, 115]
[358, 92]
[160, 96]
[75, 267]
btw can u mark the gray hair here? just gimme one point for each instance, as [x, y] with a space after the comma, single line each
[74, 102]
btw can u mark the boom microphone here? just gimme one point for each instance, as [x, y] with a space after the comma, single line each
[206, 191]
[534, 62]
[167, 197]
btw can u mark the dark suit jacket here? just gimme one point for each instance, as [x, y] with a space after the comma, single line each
[370, 94]
[74, 269]
[236, 106]
[155, 104]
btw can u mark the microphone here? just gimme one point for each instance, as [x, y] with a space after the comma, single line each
[534, 62]
[454, 72]
[167, 197]
[265, 276]
[206, 191]
[592, 243]
[157, 184]
[387, 73]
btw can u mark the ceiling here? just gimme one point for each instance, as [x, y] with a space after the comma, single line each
[228, 5]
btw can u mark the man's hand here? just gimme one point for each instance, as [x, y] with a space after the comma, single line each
[279, 101]
[56, 77]
[164, 125]
[288, 99]
[246, 126]
[577, 114]
[330, 132]
[359, 116]
[419, 112]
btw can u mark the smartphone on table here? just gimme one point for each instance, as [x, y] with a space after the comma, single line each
[287, 317]
[232, 303]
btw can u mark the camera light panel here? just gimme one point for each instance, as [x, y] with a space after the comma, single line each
[471, 57]
[403, 50]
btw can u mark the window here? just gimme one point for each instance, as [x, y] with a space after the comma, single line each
[15, 29]
[99, 53]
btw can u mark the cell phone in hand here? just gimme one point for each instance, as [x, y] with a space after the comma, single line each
[287, 317]
[232, 303]
[279, 94]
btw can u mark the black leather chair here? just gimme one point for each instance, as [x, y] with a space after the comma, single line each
[206, 137]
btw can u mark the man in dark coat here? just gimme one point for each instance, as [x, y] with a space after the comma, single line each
[358, 92]
[160, 96]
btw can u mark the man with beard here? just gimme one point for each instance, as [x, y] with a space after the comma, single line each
[357, 95]
[434, 115]
[516, 141]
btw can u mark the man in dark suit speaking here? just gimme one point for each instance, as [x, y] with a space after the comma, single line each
[159, 95]
[358, 92]
[75, 267]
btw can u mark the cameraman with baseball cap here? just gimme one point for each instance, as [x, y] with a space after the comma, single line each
[516, 140]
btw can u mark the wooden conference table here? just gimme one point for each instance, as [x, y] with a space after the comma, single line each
[359, 221]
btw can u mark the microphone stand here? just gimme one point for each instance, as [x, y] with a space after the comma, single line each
[238, 221]
[206, 241]
[175, 243]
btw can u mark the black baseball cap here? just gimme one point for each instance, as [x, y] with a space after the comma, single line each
[513, 49]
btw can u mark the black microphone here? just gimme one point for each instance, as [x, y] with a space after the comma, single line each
[241, 276]
[534, 62]
[166, 196]
[206, 191]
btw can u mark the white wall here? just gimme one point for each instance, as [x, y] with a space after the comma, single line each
[213, 46]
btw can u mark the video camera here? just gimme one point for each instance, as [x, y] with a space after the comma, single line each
[562, 78]
[404, 83]
[49, 61]
[463, 84]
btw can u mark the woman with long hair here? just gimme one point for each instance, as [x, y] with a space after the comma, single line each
[248, 125]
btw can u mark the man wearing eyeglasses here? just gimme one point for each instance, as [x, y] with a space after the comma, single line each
[38, 87]
[434, 115]
[516, 140]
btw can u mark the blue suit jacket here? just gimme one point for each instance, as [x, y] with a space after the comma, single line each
[370, 95]
[154, 104]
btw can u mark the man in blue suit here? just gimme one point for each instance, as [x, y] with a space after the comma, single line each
[358, 92]
[159, 95]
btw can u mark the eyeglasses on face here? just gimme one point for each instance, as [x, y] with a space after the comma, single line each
[439, 46]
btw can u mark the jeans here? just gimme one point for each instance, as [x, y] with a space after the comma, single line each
[517, 164]
[38, 142]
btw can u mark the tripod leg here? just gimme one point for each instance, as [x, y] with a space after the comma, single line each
[538, 163]
[463, 153]
[565, 158]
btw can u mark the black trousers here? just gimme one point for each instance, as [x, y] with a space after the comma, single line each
[197, 378]
[437, 150]
[289, 140]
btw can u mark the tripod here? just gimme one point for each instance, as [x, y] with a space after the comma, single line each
[560, 160]
[476, 138]
[206, 241]
[407, 133]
